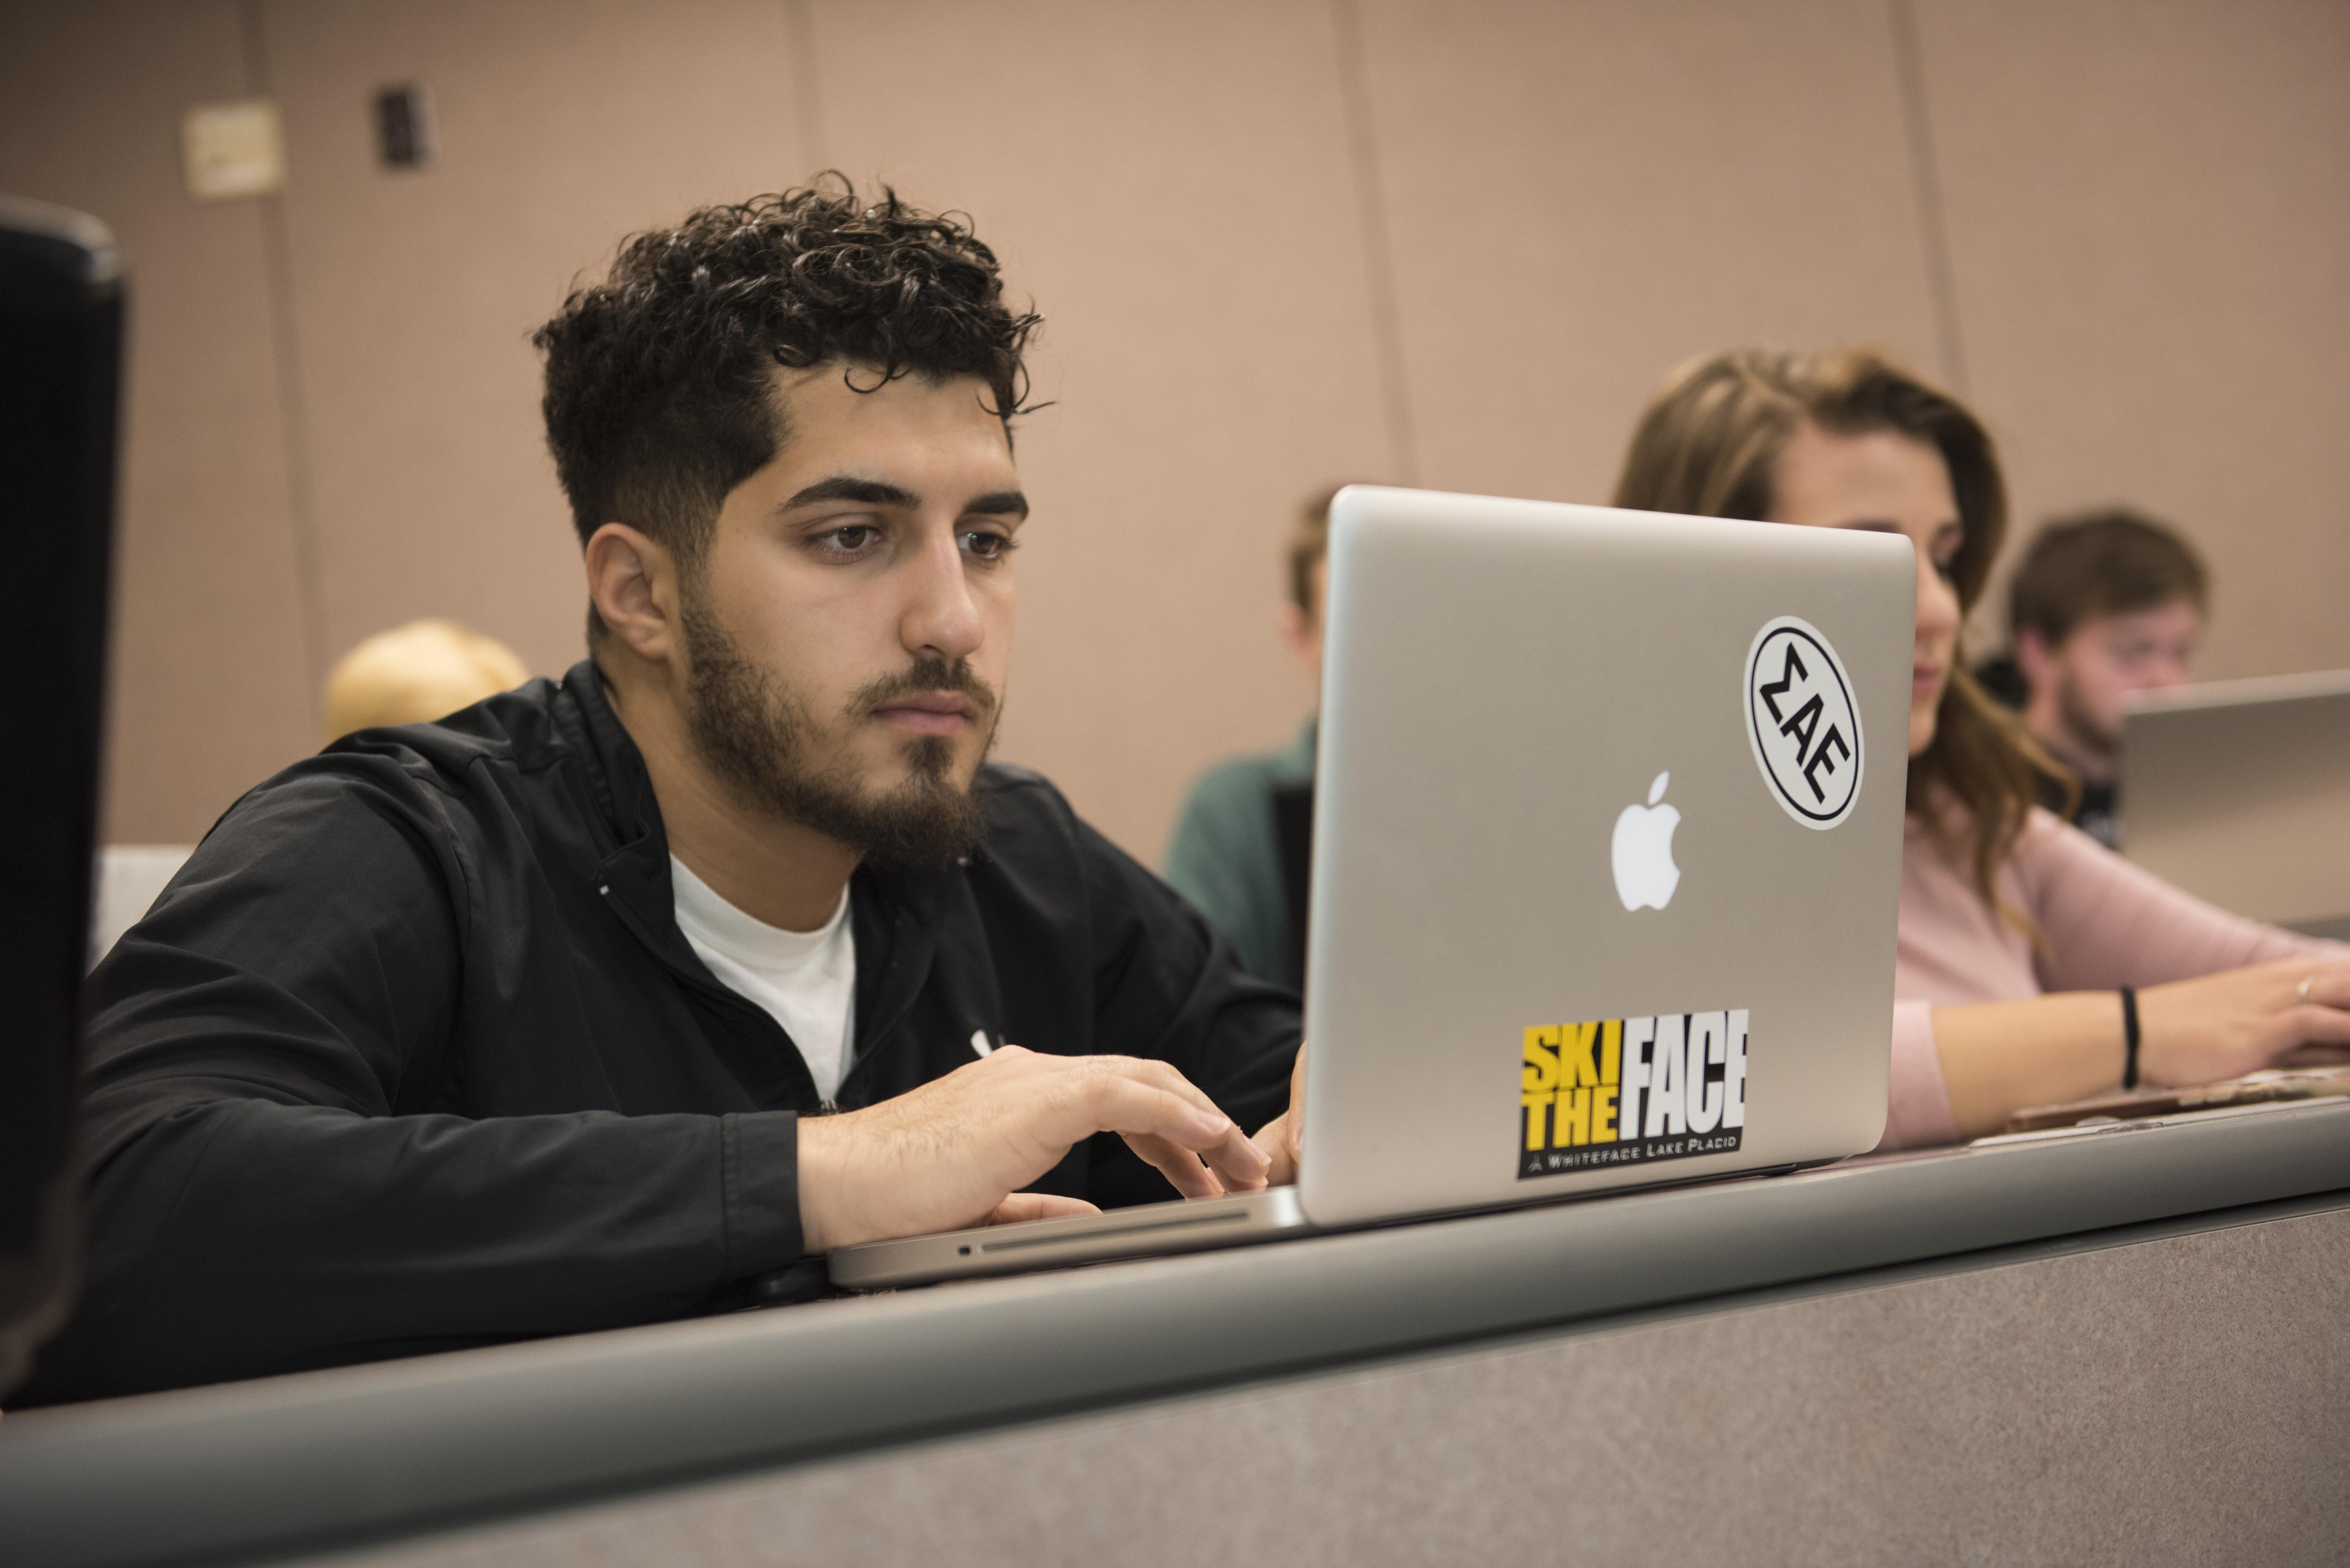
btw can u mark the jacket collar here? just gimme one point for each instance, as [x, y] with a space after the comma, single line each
[633, 873]
[894, 914]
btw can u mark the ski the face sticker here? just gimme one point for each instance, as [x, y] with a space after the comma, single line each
[1803, 722]
[1626, 1091]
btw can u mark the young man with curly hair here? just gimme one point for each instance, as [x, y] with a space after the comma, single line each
[604, 999]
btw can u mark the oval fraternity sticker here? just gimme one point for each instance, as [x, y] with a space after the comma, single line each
[1803, 722]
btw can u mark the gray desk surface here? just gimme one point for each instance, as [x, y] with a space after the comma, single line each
[349, 1456]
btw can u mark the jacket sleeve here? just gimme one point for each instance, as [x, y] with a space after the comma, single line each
[1168, 985]
[267, 1189]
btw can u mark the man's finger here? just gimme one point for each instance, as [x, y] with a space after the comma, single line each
[1280, 1142]
[1274, 1142]
[1121, 1103]
[1177, 1164]
[1239, 1163]
[1292, 1121]
[1158, 1075]
[1143, 1101]
[1023, 1206]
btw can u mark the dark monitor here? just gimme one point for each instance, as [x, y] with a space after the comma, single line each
[60, 371]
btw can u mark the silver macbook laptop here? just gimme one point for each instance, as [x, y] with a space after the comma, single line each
[2239, 791]
[1606, 848]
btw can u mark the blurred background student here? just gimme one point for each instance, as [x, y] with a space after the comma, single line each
[2104, 604]
[415, 673]
[2032, 966]
[1244, 841]
[411, 674]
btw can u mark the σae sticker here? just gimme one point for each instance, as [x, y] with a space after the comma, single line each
[1623, 1091]
[1803, 722]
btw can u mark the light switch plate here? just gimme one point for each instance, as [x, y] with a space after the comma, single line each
[403, 126]
[233, 150]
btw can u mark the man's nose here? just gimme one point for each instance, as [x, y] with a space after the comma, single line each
[939, 617]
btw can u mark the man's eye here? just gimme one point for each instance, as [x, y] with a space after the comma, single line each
[851, 538]
[988, 546]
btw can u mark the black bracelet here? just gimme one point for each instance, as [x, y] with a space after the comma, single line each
[2129, 1038]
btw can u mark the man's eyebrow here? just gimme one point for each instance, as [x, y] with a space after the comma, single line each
[999, 504]
[865, 492]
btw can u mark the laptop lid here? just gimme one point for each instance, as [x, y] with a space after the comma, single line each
[1607, 836]
[2239, 791]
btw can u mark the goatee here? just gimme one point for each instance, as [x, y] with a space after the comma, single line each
[756, 736]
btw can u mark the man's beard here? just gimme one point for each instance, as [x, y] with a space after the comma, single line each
[756, 736]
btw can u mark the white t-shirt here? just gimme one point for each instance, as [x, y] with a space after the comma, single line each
[807, 979]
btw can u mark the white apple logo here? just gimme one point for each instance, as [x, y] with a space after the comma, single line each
[1645, 873]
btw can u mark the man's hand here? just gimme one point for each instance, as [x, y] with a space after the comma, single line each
[1281, 1140]
[952, 1152]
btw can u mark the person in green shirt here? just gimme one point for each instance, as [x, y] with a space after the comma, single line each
[1241, 848]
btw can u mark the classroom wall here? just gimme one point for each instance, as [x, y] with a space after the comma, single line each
[1277, 244]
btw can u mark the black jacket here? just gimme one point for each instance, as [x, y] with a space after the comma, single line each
[412, 1055]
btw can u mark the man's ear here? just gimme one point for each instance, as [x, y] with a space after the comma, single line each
[632, 581]
[1296, 631]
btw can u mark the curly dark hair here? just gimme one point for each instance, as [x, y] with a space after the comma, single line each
[659, 378]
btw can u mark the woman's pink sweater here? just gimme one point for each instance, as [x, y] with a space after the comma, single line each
[2106, 924]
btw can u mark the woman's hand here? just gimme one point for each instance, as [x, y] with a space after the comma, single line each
[1998, 1058]
[2240, 1020]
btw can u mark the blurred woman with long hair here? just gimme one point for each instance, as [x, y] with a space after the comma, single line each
[2033, 965]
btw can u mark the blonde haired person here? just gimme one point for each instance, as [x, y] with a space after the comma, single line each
[2024, 947]
[415, 673]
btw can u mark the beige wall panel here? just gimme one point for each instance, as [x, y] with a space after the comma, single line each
[562, 125]
[2151, 242]
[1171, 185]
[1584, 195]
[208, 693]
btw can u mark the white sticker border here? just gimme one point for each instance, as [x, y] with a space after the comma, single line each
[1754, 738]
